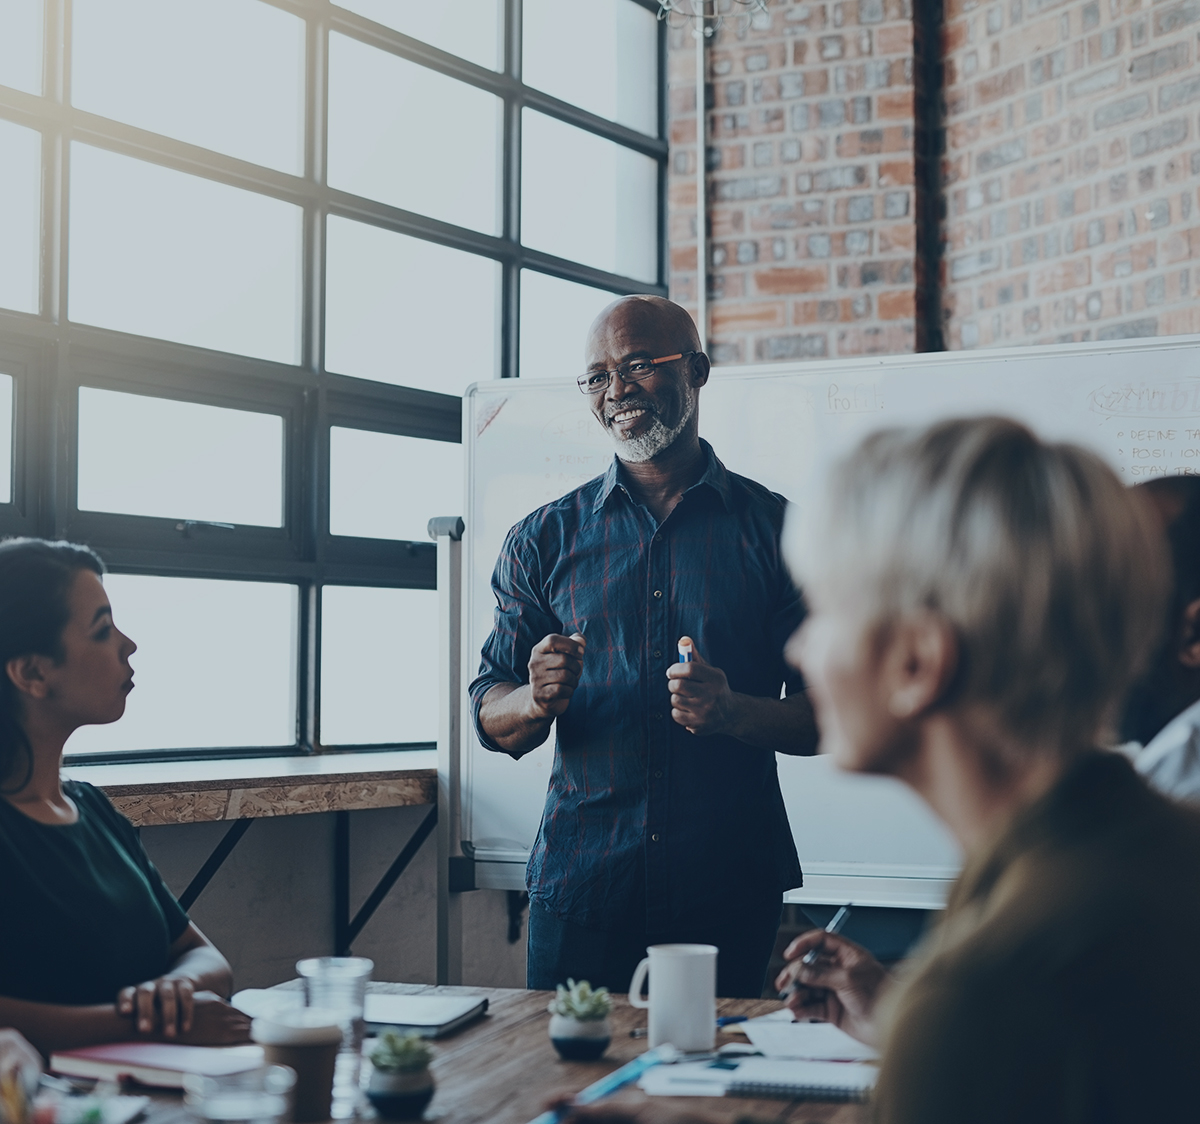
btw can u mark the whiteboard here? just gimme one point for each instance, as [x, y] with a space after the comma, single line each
[862, 839]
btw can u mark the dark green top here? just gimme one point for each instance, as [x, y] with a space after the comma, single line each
[83, 912]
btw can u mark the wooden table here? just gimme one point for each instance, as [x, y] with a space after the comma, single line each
[502, 1068]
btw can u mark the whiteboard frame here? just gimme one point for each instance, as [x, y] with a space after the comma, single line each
[883, 884]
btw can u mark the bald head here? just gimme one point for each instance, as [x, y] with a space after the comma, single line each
[647, 316]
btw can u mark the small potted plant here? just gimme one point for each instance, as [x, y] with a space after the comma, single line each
[579, 1026]
[401, 1085]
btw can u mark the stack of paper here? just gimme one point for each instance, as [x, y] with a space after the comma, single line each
[800, 1060]
[774, 1038]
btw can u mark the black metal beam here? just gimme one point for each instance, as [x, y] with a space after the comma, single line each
[393, 873]
[220, 853]
[341, 883]
[345, 929]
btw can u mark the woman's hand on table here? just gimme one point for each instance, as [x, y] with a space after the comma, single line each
[841, 987]
[216, 1023]
[171, 1008]
[164, 1006]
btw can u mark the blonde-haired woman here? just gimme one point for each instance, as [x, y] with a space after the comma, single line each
[980, 603]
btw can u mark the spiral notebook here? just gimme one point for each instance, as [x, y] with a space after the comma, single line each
[763, 1077]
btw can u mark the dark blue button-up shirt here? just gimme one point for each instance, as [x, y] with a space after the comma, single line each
[640, 814]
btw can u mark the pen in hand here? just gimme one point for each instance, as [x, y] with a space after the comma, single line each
[835, 926]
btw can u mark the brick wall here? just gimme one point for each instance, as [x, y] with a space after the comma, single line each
[1069, 192]
[1071, 169]
[810, 180]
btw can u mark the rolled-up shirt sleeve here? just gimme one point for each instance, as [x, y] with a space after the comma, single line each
[522, 617]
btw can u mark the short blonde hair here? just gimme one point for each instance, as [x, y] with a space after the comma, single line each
[1050, 573]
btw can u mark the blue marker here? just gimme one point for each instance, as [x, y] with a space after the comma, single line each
[618, 1079]
[686, 651]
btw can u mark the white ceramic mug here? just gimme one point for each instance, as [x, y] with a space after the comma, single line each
[683, 995]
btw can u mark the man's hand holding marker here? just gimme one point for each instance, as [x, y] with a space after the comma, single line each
[701, 700]
[555, 665]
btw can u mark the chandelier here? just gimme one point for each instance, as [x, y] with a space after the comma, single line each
[707, 16]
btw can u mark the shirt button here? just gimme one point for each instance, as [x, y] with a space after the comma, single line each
[657, 653]
[658, 593]
[657, 717]
[654, 837]
[658, 774]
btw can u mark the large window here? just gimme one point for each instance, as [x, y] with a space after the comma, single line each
[251, 254]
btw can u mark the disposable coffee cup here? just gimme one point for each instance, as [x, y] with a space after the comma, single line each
[308, 1040]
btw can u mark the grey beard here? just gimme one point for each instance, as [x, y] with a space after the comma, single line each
[638, 450]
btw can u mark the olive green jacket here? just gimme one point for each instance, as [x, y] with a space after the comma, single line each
[1063, 982]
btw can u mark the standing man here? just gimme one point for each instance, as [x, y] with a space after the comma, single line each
[663, 821]
[1163, 710]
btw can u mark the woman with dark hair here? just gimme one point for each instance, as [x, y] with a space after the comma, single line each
[93, 947]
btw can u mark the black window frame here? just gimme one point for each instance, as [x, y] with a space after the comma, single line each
[49, 357]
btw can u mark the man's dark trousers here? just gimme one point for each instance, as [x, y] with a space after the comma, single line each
[560, 950]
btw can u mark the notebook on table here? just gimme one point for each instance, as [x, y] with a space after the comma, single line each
[160, 1065]
[430, 1016]
[763, 1077]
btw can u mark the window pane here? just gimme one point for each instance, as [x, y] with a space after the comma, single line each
[411, 137]
[382, 486]
[215, 665]
[21, 45]
[565, 173]
[405, 311]
[179, 460]
[555, 317]
[160, 253]
[20, 215]
[471, 29]
[225, 74]
[618, 79]
[6, 438]
[379, 666]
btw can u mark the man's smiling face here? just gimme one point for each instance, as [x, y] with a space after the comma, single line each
[647, 417]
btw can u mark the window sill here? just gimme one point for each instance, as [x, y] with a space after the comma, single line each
[172, 792]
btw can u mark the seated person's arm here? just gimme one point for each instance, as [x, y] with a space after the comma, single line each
[842, 987]
[183, 1005]
[167, 1003]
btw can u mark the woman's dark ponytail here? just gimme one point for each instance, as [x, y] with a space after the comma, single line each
[35, 584]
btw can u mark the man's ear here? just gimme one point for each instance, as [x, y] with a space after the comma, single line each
[699, 368]
[922, 660]
[26, 673]
[1189, 636]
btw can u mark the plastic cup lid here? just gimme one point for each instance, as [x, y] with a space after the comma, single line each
[299, 1026]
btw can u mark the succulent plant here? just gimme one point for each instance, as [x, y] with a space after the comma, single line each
[401, 1053]
[579, 1001]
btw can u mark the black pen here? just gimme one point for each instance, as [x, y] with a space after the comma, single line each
[835, 925]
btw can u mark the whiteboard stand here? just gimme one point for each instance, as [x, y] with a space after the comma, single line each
[447, 531]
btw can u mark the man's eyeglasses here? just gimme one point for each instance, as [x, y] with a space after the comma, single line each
[636, 370]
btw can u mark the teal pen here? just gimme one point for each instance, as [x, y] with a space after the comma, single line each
[619, 1078]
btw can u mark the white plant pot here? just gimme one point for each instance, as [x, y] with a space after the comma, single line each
[400, 1096]
[580, 1039]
